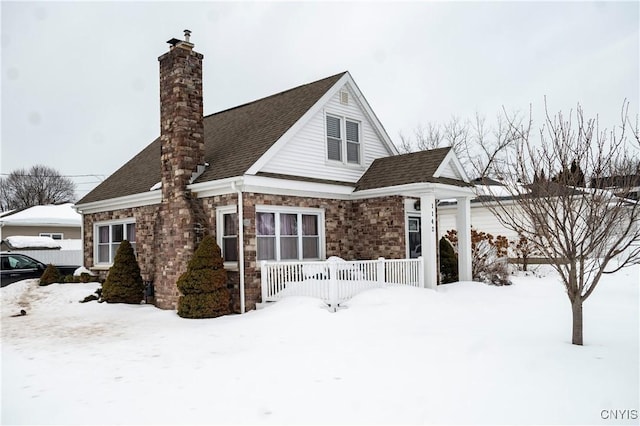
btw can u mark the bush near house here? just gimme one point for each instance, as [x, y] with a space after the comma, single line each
[124, 282]
[50, 275]
[524, 250]
[488, 256]
[84, 278]
[204, 284]
[448, 262]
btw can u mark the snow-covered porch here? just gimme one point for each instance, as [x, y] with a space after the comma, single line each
[336, 280]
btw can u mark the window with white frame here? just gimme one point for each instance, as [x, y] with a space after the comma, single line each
[227, 235]
[415, 247]
[343, 140]
[54, 235]
[288, 234]
[108, 236]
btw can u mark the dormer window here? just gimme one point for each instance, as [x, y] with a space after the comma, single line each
[343, 140]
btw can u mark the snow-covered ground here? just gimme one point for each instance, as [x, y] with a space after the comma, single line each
[466, 354]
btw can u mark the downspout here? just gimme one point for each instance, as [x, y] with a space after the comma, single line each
[81, 230]
[240, 244]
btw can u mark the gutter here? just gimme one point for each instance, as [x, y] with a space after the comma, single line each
[240, 244]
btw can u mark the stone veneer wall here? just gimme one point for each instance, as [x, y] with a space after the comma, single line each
[354, 230]
[209, 207]
[145, 218]
[362, 229]
[379, 228]
[182, 139]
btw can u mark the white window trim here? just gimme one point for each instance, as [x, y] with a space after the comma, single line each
[343, 137]
[320, 212]
[408, 217]
[96, 225]
[410, 212]
[220, 212]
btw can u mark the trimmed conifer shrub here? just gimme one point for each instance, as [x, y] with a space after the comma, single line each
[50, 275]
[203, 286]
[448, 262]
[124, 282]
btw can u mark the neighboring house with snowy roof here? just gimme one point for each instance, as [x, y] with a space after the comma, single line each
[60, 222]
[304, 174]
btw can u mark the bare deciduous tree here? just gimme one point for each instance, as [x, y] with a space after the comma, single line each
[481, 149]
[37, 186]
[584, 230]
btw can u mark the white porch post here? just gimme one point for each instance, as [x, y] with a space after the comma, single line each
[463, 225]
[428, 239]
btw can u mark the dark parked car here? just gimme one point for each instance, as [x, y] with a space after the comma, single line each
[16, 267]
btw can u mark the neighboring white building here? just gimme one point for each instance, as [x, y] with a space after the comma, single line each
[60, 222]
[481, 220]
[35, 231]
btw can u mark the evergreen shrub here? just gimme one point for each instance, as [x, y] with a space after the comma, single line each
[448, 262]
[203, 287]
[124, 282]
[50, 275]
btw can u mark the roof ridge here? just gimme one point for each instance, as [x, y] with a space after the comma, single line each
[432, 150]
[276, 94]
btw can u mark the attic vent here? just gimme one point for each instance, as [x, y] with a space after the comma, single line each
[344, 98]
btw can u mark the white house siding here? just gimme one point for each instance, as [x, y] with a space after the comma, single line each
[481, 220]
[306, 154]
[73, 233]
[450, 172]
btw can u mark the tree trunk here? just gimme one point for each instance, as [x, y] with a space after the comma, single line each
[576, 308]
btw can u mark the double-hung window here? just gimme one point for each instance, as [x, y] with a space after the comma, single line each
[287, 234]
[334, 138]
[343, 140]
[227, 225]
[108, 239]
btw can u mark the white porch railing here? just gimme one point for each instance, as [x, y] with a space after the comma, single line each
[335, 281]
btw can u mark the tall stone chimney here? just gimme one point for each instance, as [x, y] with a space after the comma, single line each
[181, 123]
[182, 142]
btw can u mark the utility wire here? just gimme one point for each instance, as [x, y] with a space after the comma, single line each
[101, 177]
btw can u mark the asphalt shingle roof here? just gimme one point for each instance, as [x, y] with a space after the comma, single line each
[403, 169]
[234, 140]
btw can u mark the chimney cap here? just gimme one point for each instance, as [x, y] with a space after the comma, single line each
[174, 41]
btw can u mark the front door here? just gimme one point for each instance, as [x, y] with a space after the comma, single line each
[415, 248]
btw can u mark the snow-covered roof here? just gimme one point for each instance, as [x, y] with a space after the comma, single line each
[27, 242]
[8, 212]
[58, 215]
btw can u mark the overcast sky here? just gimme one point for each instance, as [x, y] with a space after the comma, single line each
[80, 79]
